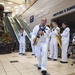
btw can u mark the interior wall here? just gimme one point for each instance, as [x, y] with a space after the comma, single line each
[52, 6]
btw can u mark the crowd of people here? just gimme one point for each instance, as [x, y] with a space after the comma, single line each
[46, 39]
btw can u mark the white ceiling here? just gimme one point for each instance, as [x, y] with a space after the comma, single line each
[16, 1]
[11, 7]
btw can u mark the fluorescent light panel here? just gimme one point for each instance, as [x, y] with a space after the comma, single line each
[2, 3]
[15, 6]
[10, 3]
[7, 7]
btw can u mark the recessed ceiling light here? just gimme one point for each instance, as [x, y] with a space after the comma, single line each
[2, 3]
[23, 8]
[17, 10]
[6, 10]
[10, 3]
[21, 5]
[15, 6]
[7, 7]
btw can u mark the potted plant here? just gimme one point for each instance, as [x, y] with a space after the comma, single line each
[5, 43]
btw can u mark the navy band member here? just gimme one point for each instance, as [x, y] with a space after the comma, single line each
[65, 42]
[71, 47]
[33, 47]
[41, 32]
[22, 35]
[54, 42]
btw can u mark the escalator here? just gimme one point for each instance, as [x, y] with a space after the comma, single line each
[10, 28]
[19, 23]
[25, 26]
[13, 25]
[5, 27]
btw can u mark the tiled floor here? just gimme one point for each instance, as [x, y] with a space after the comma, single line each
[26, 65]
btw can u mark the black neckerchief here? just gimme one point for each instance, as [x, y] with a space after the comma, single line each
[62, 29]
[42, 27]
[54, 28]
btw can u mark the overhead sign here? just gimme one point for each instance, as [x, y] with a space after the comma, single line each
[65, 10]
[43, 13]
[31, 18]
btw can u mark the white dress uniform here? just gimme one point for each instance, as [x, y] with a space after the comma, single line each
[65, 42]
[41, 48]
[33, 47]
[54, 43]
[22, 42]
[71, 47]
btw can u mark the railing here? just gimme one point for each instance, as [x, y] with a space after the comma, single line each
[26, 24]
[23, 25]
[5, 27]
[16, 31]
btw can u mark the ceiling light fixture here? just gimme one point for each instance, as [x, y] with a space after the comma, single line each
[10, 3]
[21, 5]
[7, 7]
[17, 10]
[2, 3]
[6, 10]
[15, 6]
[23, 8]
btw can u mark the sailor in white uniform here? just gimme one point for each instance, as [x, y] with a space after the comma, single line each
[33, 47]
[53, 42]
[65, 42]
[71, 47]
[22, 44]
[41, 32]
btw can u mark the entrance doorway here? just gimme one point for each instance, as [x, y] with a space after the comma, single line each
[69, 18]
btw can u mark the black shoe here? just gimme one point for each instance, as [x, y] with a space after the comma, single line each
[68, 55]
[49, 58]
[33, 54]
[39, 68]
[23, 54]
[63, 62]
[55, 59]
[20, 53]
[44, 72]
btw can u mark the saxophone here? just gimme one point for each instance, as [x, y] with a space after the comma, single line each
[58, 37]
[36, 39]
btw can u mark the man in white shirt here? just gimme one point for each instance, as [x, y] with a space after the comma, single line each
[41, 32]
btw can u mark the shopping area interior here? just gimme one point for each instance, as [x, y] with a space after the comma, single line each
[14, 15]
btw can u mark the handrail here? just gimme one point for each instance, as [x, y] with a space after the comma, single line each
[5, 28]
[29, 7]
[22, 25]
[25, 24]
[14, 28]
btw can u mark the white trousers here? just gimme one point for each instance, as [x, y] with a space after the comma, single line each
[64, 50]
[53, 49]
[41, 54]
[33, 47]
[21, 47]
